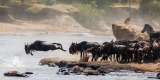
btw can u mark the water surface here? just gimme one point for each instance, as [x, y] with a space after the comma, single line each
[13, 57]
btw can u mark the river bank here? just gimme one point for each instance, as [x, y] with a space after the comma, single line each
[107, 66]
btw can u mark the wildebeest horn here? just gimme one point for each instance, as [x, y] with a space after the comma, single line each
[26, 43]
[112, 40]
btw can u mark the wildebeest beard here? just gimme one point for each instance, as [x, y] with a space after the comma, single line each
[27, 49]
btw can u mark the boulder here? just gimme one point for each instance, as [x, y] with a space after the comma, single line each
[17, 74]
[123, 31]
[90, 71]
[76, 69]
[104, 70]
[63, 71]
[158, 76]
[51, 65]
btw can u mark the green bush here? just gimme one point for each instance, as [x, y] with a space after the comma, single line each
[95, 3]
[48, 2]
[150, 7]
[88, 15]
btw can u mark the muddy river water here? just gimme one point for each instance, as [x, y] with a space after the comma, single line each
[13, 57]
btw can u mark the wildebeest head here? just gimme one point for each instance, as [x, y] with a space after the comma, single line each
[73, 48]
[155, 44]
[147, 28]
[27, 49]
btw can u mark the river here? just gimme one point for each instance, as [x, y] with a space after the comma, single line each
[13, 57]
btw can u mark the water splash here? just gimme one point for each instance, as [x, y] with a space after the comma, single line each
[17, 62]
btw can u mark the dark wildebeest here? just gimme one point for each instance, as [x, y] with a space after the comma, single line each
[114, 50]
[153, 34]
[96, 52]
[41, 46]
[82, 47]
[106, 50]
[120, 53]
[142, 52]
[156, 50]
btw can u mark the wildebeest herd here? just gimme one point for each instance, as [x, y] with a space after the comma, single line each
[117, 51]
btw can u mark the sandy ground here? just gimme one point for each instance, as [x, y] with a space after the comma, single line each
[146, 67]
[33, 26]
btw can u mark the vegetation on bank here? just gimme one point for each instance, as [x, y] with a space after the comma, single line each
[92, 7]
[88, 8]
[150, 7]
[90, 11]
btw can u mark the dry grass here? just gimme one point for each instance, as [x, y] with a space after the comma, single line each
[119, 5]
[150, 67]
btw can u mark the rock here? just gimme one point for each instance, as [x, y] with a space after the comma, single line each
[90, 71]
[139, 71]
[123, 31]
[93, 66]
[51, 65]
[66, 73]
[103, 70]
[158, 76]
[77, 70]
[63, 71]
[15, 74]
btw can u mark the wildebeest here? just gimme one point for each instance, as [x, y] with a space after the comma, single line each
[82, 47]
[153, 34]
[41, 46]
[156, 49]
[17, 74]
[120, 51]
[116, 51]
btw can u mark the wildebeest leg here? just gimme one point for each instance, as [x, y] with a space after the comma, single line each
[114, 57]
[62, 48]
[85, 56]
[110, 57]
[103, 58]
[80, 56]
[94, 57]
[31, 52]
[118, 57]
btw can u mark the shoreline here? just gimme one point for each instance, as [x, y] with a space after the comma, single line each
[58, 34]
[145, 67]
